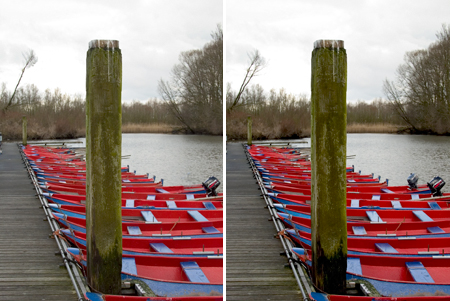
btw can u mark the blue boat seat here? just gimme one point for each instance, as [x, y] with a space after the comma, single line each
[434, 206]
[385, 190]
[396, 204]
[419, 272]
[161, 190]
[194, 272]
[354, 265]
[385, 248]
[209, 205]
[171, 205]
[355, 204]
[197, 216]
[435, 229]
[129, 265]
[160, 247]
[151, 197]
[149, 217]
[373, 216]
[134, 230]
[415, 196]
[190, 196]
[210, 230]
[376, 197]
[129, 203]
[422, 216]
[359, 230]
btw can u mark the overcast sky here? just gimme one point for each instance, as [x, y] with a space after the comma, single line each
[376, 35]
[151, 35]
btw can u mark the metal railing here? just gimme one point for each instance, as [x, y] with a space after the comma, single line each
[74, 272]
[303, 280]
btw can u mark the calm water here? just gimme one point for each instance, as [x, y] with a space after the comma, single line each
[396, 156]
[178, 159]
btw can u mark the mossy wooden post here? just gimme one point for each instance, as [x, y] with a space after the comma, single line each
[328, 165]
[103, 166]
[249, 130]
[24, 130]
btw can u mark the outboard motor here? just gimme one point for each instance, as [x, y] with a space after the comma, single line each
[412, 181]
[436, 185]
[211, 185]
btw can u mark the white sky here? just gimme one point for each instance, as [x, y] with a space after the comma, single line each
[376, 35]
[151, 35]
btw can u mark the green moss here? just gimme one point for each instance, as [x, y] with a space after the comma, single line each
[249, 130]
[328, 167]
[103, 163]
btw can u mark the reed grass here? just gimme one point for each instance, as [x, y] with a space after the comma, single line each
[373, 128]
[148, 128]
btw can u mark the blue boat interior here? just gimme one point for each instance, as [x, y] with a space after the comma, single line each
[355, 204]
[149, 217]
[171, 204]
[396, 204]
[422, 216]
[359, 230]
[134, 230]
[210, 230]
[435, 229]
[373, 216]
[354, 265]
[419, 272]
[197, 216]
[129, 265]
[160, 247]
[385, 248]
[434, 206]
[194, 272]
[209, 205]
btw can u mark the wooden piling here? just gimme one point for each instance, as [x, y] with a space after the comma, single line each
[24, 130]
[328, 165]
[249, 130]
[103, 166]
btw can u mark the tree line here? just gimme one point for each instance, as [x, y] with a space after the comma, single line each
[53, 114]
[278, 114]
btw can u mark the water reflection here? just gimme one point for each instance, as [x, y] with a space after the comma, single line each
[178, 159]
[396, 156]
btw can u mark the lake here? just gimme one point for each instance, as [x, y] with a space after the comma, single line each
[178, 159]
[396, 156]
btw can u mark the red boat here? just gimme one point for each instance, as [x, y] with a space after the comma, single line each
[181, 230]
[204, 246]
[170, 276]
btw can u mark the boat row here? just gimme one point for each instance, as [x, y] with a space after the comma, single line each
[398, 237]
[172, 236]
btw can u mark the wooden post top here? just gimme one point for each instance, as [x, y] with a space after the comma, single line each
[334, 44]
[108, 44]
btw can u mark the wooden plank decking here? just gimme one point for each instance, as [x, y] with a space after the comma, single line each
[29, 268]
[255, 270]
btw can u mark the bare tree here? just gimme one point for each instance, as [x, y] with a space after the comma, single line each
[30, 59]
[194, 93]
[257, 63]
[421, 92]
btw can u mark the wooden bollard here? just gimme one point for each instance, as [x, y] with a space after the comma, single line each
[328, 165]
[24, 131]
[103, 166]
[249, 130]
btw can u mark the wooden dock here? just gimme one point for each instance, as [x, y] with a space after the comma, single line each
[29, 268]
[254, 268]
